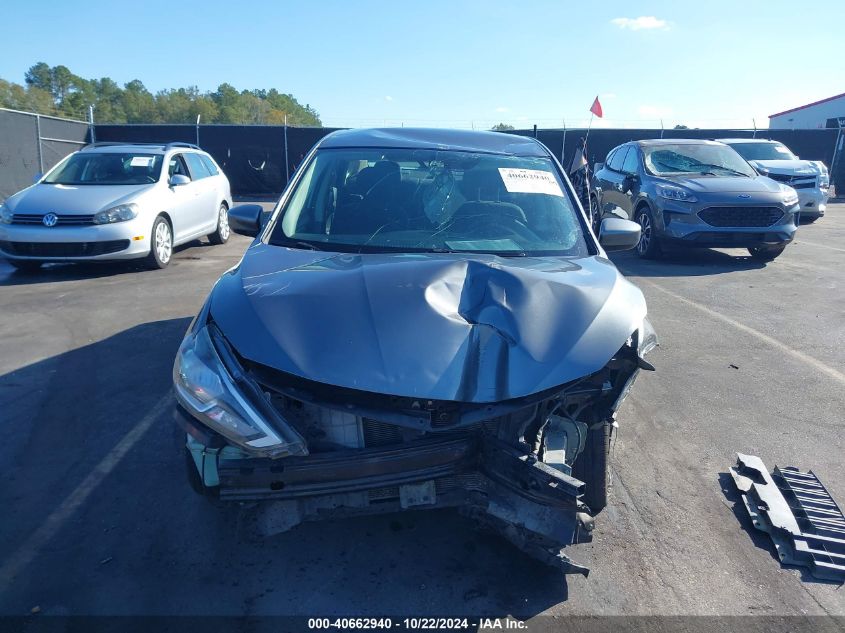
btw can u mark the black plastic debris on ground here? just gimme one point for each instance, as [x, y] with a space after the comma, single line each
[797, 512]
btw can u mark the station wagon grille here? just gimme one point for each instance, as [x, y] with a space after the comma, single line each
[63, 249]
[63, 220]
[741, 216]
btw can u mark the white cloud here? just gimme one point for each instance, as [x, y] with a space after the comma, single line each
[607, 95]
[388, 98]
[644, 22]
[503, 109]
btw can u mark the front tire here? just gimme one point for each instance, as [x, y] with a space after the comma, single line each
[765, 253]
[222, 232]
[592, 467]
[648, 247]
[161, 246]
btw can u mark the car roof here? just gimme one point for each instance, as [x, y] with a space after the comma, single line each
[150, 148]
[746, 140]
[675, 141]
[432, 138]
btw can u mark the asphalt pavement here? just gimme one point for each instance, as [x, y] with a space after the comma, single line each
[98, 518]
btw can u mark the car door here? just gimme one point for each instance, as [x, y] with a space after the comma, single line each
[206, 212]
[602, 181]
[630, 180]
[612, 199]
[185, 206]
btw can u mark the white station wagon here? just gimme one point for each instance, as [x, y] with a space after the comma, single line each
[111, 201]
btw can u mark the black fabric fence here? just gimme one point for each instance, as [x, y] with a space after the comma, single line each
[260, 159]
[31, 144]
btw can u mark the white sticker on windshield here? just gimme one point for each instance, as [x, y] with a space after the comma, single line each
[141, 161]
[530, 181]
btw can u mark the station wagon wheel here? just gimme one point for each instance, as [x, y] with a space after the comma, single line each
[648, 247]
[161, 244]
[222, 232]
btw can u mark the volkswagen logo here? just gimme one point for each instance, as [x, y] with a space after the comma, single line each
[50, 219]
[744, 195]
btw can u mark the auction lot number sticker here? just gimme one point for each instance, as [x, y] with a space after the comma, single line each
[530, 181]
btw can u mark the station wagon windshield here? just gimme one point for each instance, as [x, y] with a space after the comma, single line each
[407, 200]
[107, 168]
[692, 158]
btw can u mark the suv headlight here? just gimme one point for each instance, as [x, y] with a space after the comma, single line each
[206, 389]
[5, 214]
[670, 192]
[790, 196]
[120, 213]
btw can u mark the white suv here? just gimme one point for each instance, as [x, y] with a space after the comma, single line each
[117, 201]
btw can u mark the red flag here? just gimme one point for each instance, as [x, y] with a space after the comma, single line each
[596, 108]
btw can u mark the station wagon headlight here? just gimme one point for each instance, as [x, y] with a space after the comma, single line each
[5, 214]
[670, 192]
[205, 388]
[120, 213]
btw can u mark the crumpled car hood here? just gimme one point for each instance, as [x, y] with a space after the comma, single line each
[788, 167]
[471, 328]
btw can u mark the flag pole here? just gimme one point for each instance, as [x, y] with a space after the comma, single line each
[587, 171]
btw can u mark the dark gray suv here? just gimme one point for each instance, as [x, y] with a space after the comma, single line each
[694, 193]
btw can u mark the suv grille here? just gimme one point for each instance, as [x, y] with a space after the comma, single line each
[63, 220]
[741, 216]
[806, 181]
[63, 249]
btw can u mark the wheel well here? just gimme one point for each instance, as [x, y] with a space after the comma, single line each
[225, 204]
[642, 205]
[166, 216]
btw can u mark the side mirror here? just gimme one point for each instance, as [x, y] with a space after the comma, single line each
[617, 234]
[246, 219]
[629, 181]
[177, 180]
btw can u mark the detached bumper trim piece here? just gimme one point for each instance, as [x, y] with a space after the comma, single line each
[797, 512]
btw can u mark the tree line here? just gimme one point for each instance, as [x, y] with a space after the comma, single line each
[57, 91]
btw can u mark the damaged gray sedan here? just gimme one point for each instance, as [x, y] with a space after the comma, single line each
[425, 320]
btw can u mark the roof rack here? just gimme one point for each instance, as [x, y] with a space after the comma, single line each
[164, 146]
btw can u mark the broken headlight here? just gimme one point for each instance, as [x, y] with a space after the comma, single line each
[208, 392]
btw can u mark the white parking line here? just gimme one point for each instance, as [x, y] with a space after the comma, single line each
[29, 550]
[798, 355]
[833, 248]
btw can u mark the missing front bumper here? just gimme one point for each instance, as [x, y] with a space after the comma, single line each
[535, 507]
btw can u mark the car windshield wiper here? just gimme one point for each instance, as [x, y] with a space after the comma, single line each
[706, 165]
[300, 244]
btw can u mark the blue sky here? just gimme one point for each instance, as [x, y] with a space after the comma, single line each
[459, 63]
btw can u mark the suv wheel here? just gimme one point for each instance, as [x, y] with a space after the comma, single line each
[161, 247]
[766, 253]
[648, 247]
[221, 234]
